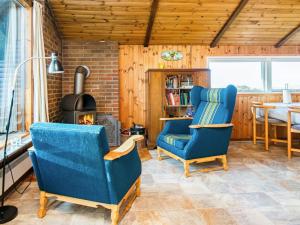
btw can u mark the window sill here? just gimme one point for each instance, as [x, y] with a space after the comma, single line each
[22, 135]
[16, 151]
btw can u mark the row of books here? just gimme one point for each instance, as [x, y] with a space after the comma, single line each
[176, 82]
[172, 82]
[174, 99]
[185, 98]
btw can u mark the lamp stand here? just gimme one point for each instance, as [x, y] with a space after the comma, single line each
[7, 212]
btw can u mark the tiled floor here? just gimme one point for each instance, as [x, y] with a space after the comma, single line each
[260, 188]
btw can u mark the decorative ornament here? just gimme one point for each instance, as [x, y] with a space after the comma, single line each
[171, 55]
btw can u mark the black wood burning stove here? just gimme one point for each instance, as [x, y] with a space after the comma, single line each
[79, 108]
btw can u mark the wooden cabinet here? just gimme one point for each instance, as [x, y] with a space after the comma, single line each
[168, 95]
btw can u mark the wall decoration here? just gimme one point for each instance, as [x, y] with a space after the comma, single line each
[171, 55]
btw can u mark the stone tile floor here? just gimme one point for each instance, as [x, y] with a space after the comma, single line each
[260, 188]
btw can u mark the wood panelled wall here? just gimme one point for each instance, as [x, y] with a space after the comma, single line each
[135, 60]
[242, 118]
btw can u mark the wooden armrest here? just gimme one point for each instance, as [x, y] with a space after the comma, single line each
[124, 149]
[176, 118]
[294, 109]
[31, 149]
[211, 126]
[264, 106]
[257, 103]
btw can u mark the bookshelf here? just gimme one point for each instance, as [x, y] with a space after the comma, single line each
[168, 95]
[178, 87]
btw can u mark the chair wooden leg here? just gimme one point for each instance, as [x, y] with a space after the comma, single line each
[290, 154]
[254, 124]
[138, 187]
[43, 205]
[266, 130]
[224, 162]
[275, 133]
[186, 169]
[128, 206]
[289, 134]
[115, 215]
[159, 154]
[254, 131]
[289, 145]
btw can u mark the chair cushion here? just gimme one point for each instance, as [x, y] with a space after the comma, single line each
[177, 140]
[296, 127]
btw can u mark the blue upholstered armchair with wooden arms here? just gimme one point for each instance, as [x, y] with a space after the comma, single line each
[73, 163]
[206, 136]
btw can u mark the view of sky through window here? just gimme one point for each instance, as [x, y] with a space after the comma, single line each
[286, 73]
[246, 76]
[256, 74]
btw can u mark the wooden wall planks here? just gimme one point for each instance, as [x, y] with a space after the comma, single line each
[242, 118]
[135, 60]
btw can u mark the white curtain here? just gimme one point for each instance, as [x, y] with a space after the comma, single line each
[40, 106]
[8, 66]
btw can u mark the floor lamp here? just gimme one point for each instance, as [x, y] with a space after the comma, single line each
[8, 212]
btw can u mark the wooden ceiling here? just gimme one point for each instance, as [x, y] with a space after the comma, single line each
[257, 22]
[264, 22]
[120, 20]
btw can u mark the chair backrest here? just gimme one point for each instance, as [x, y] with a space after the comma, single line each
[68, 160]
[213, 105]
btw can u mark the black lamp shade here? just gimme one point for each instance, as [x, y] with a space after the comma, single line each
[55, 66]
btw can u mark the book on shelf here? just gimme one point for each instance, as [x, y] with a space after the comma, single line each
[173, 99]
[172, 82]
[185, 98]
[177, 99]
[179, 81]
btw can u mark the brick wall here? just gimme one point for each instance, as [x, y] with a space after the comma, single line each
[103, 83]
[101, 57]
[52, 42]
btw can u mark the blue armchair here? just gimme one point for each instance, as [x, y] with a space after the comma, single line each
[73, 163]
[205, 137]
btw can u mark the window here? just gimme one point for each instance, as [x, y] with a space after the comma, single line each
[261, 74]
[246, 75]
[285, 73]
[12, 52]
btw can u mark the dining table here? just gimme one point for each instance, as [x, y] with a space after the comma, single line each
[280, 111]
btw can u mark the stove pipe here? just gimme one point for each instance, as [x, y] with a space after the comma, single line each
[81, 73]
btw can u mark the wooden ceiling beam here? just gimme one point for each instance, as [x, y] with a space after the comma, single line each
[287, 37]
[154, 8]
[230, 20]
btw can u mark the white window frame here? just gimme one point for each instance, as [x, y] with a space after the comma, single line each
[281, 59]
[266, 68]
